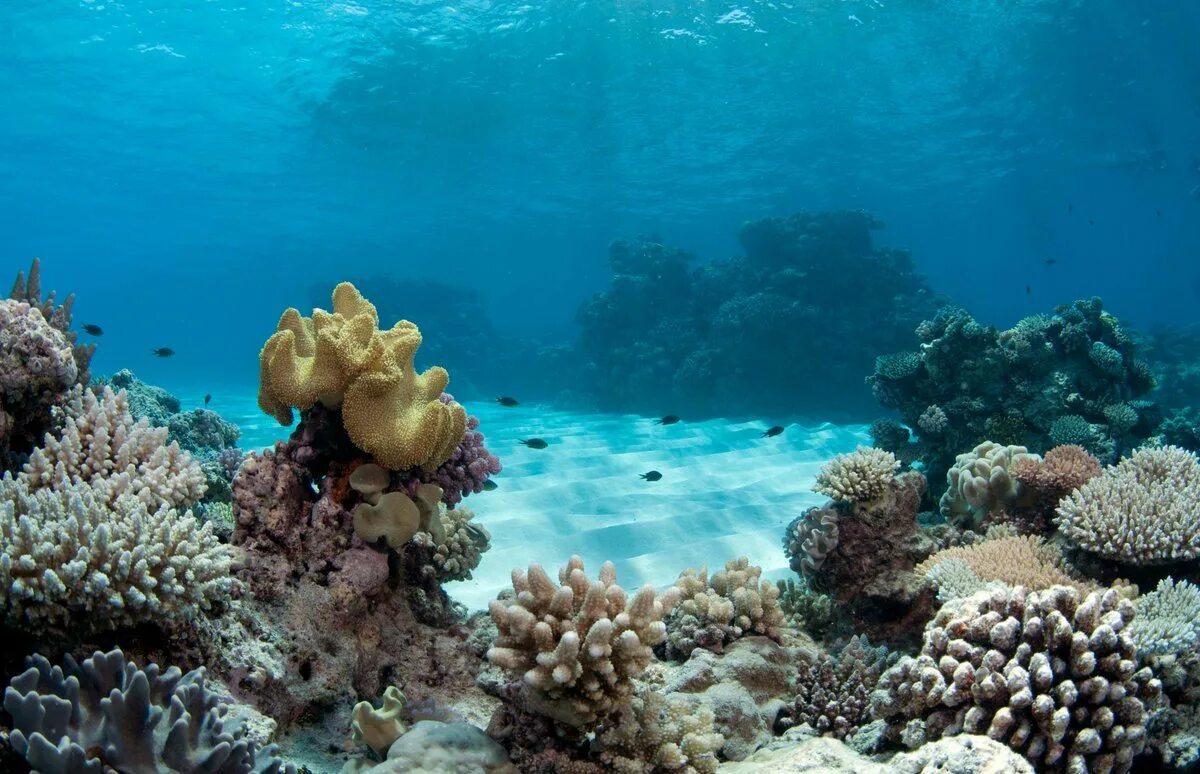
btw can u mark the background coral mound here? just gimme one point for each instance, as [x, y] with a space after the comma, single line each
[1053, 674]
[72, 559]
[101, 445]
[857, 477]
[342, 359]
[714, 612]
[981, 480]
[107, 715]
[581, 644]
[1144, 510]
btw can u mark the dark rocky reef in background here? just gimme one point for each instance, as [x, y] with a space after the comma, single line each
[796, 321]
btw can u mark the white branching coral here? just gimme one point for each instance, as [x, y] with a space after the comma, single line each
[100, 444]
[858, 476]
[1143, 510]
[655, 733]
[1168, 619]
[69, 557]
[982, 479]
[714, 612]
[579, 644]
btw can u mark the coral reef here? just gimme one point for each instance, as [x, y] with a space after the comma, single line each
[342, 360]
[580, 644]
[1073, 377]
[713, 612]
[1168, 619]
[834, 691]
[857, 477]
[106, 714]
[1045, 483]
[1144, 510]
[39, 364]
[1052, 673]
[811, 284]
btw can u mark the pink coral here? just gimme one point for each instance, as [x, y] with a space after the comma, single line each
[37, 367]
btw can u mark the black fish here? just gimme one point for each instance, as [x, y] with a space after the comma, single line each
[1049, 261]
[490, 486]
[772, 432]
[1091, 222]
[207, 399]
[669, 419]
[93, 330]
[162, 352]
[1028, 290]
[653, 475]
[534, 443]
[1070, 208]
[507, 401]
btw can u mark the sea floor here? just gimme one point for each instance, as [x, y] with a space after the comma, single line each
[725, 491]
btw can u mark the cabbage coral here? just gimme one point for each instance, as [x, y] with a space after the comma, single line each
[858, 476]
[1144, 510]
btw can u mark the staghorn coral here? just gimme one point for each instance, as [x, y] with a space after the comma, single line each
[106, 715]
[834, 692]
[1013, 560]
[101, 445]
[580, 644]
[1052, 673]
[1168, 619]
[342, 360]
[655, 733]
[1144, 510]
[809, 539]
[714, 612]
[981, 481]
[857, 477]
[73, 559]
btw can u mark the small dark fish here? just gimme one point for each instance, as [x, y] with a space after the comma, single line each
[1049, 261]
[490, 486]
[162, 352]
[669, 419]
[772, 432]
[1158, 213]
[653, 475]
[1070, 208]
[1091, 222]
[93, 330]
[1028, 290]
[534, 443]
[207, 399]
[507, 401]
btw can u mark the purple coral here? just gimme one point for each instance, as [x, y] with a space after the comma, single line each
[229, 461]
[467, 470]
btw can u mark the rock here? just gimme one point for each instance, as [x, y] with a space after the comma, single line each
[965, 754]
[432, 746]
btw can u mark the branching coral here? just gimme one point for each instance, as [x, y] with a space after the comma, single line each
[1015, 561]
[858, 476]
[456, 550]
[1053, 674]
[101, 445]
[579, 644]
[803, 608]
[1047, 481]
[1168, 619]
[654, 733]
[73, 559]
[342, 359]
[1144, 510]
[834, 692]
[714, 612]
[980, 481]
[106, 714]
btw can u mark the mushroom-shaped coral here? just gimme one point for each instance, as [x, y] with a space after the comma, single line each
[1143, 510]
[981, 480]
[379, 728]
[580, 644]
[395, 516]
[342, 359]
[107, 715]
[858, 476]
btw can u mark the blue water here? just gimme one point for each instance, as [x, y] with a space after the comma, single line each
[191, 168]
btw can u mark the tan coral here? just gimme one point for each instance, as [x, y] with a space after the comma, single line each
[656, 733]
[980, 481]
[580, 644]
[714, 612]
[858, 476]
[1023, 560]
[342, 359]
[379, 728]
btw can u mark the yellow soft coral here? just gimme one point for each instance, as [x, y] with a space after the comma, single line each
[342, 359]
